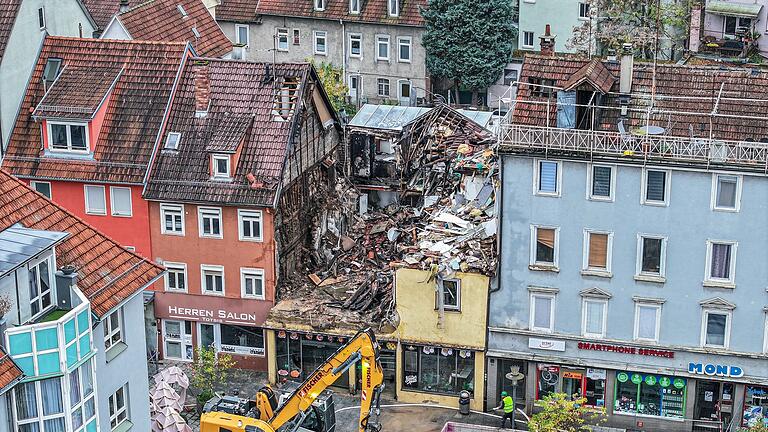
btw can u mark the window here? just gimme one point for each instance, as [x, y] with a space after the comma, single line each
[354, 6]
[731, 26]
[404, 91]
[716, 329]
[548, 178]
[118, 407]
[598, 248]
[242, 33]
[172, 141]
[250, 225]
[195, 32]
[319, 5]
[282, 39]
[43, 187]
[252, 283]
[181, 10]
[593, 317]
[583, 10]
[237, 339]
[542, 315]
[383, 87]
[651, 254]
[176, 277]
[296, 37]
[95, 201]
[40, 282]
[647, 321]
[212, 279]
[572, 381]
[404, 49]
[541, 87]
[319, 42]
[120, 198]
[355, 45]
[39, 406]
[726, 192]
[721, 262]
[51, 71]
[601, 183]
[510, 76]
[172, 219]
[382, 47]
[650, 395]
[451, 292]
[394, 8]
[354, 86]
[435, 369]
[113, 333]
[655, 187]
[68, 137]
[81, 397]
[527, 40]
[209, 222]
[221, 168]
[41, 17]
[177, 340]
[544, 246]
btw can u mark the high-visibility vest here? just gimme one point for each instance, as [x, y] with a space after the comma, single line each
[509, 404]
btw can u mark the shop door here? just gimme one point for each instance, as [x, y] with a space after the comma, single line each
[177, 340]
[208, 337]
[707, 401]
[314, 354]
[572, 384]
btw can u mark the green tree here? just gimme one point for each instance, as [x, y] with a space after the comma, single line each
[559, 414]
[208, 370]
[333, 82]
[469, 41]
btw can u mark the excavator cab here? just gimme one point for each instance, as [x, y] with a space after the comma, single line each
[321, 417]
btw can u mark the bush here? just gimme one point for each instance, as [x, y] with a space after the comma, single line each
[208, 370]
[559, 414]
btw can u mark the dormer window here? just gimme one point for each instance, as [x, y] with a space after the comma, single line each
[68, 137]
[181, 10]
[172, 141]
[220, 166]
[354, 6]
[393, 7]
[51, 71]
[319, 5]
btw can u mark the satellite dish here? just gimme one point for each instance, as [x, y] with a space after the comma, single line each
[514, 375]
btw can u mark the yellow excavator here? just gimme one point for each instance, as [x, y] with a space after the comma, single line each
[298, 412]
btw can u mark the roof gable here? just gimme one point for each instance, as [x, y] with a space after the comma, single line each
[717, 303]
[594, 73]
[595, 292]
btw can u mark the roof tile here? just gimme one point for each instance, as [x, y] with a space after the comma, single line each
[8, 11]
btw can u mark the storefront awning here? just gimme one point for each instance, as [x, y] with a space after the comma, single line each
[733, 9]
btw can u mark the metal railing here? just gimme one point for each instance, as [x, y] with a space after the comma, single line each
[743, 155]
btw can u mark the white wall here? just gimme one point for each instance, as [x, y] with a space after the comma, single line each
[115, 30]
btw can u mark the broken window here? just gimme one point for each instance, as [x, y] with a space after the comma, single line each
[541, 87]
[451, 292]
[286, 98]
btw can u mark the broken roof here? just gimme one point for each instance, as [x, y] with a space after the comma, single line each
[177, 21]
[393, 117]
[132, 118]
[372, 11]
[108, 274]
[78, 92]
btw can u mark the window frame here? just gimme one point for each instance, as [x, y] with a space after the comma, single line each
[212, 268]
[316, 34]
[214, 166]
[401, 41]
[41, 21]
[175, 266]
[636, 335]
[164, 207]
[396, 4]
[380, 40]
[109, 331]
[359, 37]
[33, 184]
[604, 325]
[88, 209]
[537, 178]
[534, 237]
[595, 271]
[241, 215]
[50, 259]
[653, 277]
[713, 195]
[68, 125]
[112, 201]
[296, 37]
[40, 418]
[644, 188]
[282, 32]
[202, 212]
[450, 308]
[765, 331]
[247, 28]
[319, 5]
[728, 323]
[400, 83]
[168, 140]
[533, 40]
[708, 279]
[590, 183]
[112, 399]
[358, 88]
[354, 10]
[532, 311]
[246, 272]
[383, 81]
[582, 9]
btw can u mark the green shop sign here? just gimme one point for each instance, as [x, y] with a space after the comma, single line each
[637, 378]
[622, 377]
[679, 383]
[650, 380]
[665, 382]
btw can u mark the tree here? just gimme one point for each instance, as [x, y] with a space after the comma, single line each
[208, 370]
[469, 41]
[332, 80]
[640, 22]
[559, 414]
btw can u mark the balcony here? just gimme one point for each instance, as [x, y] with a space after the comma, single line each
[674, 150]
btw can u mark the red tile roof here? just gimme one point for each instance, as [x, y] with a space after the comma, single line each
[77, 92]
[745, 92]
[8, 11]
[102, 11]
[161, 20]
[594, 73]
[242, 99]
[9, 372]
[373, 11]
[135, 111]
[107, 272]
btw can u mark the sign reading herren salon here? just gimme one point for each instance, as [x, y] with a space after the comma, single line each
[211, 309]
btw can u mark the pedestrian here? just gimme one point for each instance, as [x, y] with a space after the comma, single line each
[508, 405]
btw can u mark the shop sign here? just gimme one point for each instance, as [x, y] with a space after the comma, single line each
[546, 344]
[622, 349]
[235, 349]
[596, 374]
[210, 310]
[715, 370]
[574, 375]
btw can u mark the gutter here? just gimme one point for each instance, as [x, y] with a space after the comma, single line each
[343, 50]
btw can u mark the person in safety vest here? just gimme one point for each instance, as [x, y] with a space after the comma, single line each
[508, 405]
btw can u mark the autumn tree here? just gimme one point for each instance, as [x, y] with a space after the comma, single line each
[559, 414]
[468, 41]
[332, 79]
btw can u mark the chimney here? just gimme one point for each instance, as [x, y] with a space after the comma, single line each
[694, 33]
[65, 281]
[124, 5]
[547, 42]
[202, 88]
[625, 79]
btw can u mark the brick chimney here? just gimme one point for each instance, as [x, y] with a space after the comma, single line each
[202, 88]
[124, 5]
[694, 33]
[547, 42]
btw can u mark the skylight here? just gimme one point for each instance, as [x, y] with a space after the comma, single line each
[181, 10]
[172, 141]
[195, 32]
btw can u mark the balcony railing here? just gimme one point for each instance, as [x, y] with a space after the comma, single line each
[723, 154]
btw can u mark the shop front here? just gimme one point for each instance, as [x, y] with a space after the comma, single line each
[233, 326]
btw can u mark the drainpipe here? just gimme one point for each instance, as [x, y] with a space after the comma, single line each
[343, 51]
